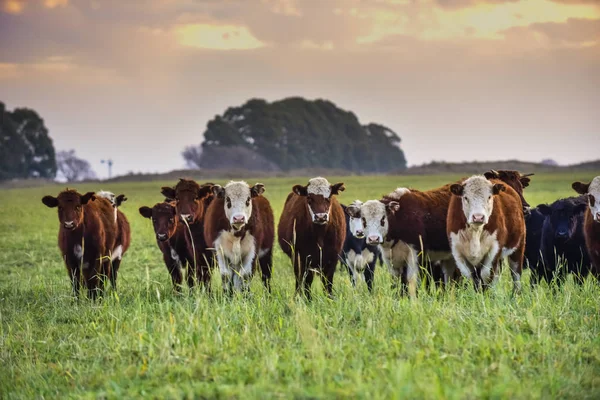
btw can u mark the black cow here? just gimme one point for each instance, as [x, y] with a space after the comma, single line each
[356, 255]
[534, 224]
[562, 238]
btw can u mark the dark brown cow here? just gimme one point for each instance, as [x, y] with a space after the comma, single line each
[171, 240]
[192, 201]
[86, 237]
[515, 180]
[312, 230]
[240, 228]
[485, 224]
[591, 225]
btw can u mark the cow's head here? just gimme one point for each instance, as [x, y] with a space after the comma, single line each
[477, 195]
[562, 216]
[355, 224]
[318, 194]
[238, 201]
[190, 198]
[592, 191]
[515, 180]
[70, 206]
[374, 217]
[164, 219]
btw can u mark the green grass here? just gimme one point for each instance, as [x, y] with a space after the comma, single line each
[147, 342]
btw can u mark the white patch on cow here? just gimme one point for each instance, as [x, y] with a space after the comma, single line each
[594, 190]
[435, 256]
[507, 251]
[356, 225]
[399, 256]
[514, 265]
[110, 196]
[320, 186]
[78, 251]
[477, 198]
[372, 212]
[263, 252]
[235, 256]
[85, 265]
[474, 246]
[358, 262]
[174, 255]
[398, 193]
[117, 253]
[239, 197]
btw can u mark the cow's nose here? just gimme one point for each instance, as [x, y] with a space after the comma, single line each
[69, 224]
[359, 234]
[321, 217]
[161, 236]
[239, 219]
[187, 217]
[373, 239]
[478, 218]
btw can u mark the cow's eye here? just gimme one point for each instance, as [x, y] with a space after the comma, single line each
[489, 198]
[228, 200]
[248, 201]
[382, 221]
[467, 199]
[364, 222]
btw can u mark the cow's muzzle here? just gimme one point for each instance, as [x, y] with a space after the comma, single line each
[69, 224]
[321, 218]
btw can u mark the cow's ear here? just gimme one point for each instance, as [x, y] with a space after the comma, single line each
[580, 208]
[120, 200]
[457, 189]
[205, 190]
[146, 212]
[50, 201]
[580, 187]
[392, 207]
[545, 209]
[168, 192]
[524, 181]
[257, 190]
[491, 174]
[337, 188]
[218, 191]
[87, 197]
[353, 210]
[498, 187]
[300, 190]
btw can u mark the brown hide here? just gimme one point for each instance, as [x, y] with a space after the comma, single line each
[591, 232]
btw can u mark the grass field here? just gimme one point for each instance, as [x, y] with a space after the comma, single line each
[146, 342]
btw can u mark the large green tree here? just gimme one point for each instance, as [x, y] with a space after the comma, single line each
[26, 150]
[298, 133]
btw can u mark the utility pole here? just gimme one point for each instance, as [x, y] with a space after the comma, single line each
[110, 163]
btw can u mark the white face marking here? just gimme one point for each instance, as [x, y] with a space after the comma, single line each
[477, 199]
[110, 196]
[117, 253]
[373, 213]
[78, 251]
[355, 224]
[319, 186]
[398, 193]
[238, 203]
[594, 190]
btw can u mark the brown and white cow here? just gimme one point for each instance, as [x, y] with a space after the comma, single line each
[123, 239]
[485, 224]
[192, 201]
[591, 225]
[86, 237]
[240, 228]
[171, 234]
[311, 231]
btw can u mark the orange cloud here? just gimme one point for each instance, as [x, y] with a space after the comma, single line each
[55, 3]
[217, 37]
[13, 6]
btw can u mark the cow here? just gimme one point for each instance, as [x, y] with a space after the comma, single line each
[358, 257]
[591, 229]
[240, 228]
[515, 180]
[485, 224]
[311, 231]
[123, 239]
[170, 234]
[563, 239]
[534, 224]
[86, 237]
[192, 201]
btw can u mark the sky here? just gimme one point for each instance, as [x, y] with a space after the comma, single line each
[458, 80]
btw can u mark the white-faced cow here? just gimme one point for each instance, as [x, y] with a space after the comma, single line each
[591, 226]
[239, 227]
[485, 224]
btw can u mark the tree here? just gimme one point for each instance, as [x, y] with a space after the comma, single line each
[73, 168]
[26, 150]
[192, 156]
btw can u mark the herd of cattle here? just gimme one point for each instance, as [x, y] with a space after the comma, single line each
[463, 229]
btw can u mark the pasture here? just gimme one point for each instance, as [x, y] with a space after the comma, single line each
[145, 341]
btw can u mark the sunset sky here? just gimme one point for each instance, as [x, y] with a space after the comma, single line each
[456, 79]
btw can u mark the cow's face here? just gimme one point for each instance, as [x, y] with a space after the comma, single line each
[374, 216]
[164, 219]
[562, 217]
[318, 194]
[355, 224]
[238, 201]
[70, 206]
[515, 180]
[477, 195]
[189, 196]
[592, 190]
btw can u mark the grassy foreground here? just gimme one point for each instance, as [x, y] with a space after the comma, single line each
[143, 341]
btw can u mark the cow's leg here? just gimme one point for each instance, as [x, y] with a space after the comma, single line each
[412, 273]
[266, 269]
[327, 277]
[490, 266]
[114, 272]
[308, 279]
[370, 274]
[448, 270]
[92, 274]
[75, 276]
[226, 274]
[245, 273]
[515, 262]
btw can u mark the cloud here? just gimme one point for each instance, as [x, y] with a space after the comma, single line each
[575, 32]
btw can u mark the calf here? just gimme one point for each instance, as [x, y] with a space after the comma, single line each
[311, 231]
[534, 224]
[192, 201]
[171, 240]
[86, 237]
[485, 223]
[591, 228]
[240, 227]
[563, 238]
[123, 239]
[358, 256]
